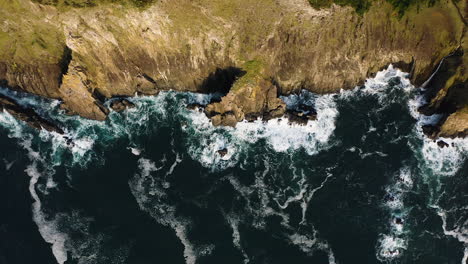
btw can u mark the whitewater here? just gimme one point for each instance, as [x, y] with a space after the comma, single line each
[360, 184]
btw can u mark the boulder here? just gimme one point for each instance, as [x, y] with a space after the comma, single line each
[301, 115]
[121, 104]
[27, 115]
[251, 97]
[222, 152]
[442, 144]
[196, 106]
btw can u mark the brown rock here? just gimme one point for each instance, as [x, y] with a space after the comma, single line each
[77, 98]
[222, 152]
[302, 114]
[456, 125]
[28, 115]
[300, 118]
[251, 99]
[117, 51]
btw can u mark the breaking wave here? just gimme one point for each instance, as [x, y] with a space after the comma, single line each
[273, 177]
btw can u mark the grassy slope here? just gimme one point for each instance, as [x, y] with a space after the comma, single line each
[88, 3]
[23, 39]
[361, 6]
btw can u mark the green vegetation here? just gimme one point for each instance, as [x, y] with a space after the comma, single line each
[361, 6]
[253, 72]
[41, 41]
[90, 3]
[402, 5]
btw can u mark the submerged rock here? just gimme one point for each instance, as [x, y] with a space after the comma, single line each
[442, 144]
[398, 221]
[28, 115]
[222, 152]
[301, 115]
[121, 104]
[196, 106]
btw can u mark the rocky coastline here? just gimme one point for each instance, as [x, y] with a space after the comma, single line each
[251, 51]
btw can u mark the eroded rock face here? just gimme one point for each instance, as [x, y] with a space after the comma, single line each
[78, 99]
[250, 100]
[28, 115]
[430, 131]
[83, 56]
[447, 92]
[300, 117]
[456, 125]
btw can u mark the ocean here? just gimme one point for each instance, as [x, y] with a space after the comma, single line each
[361, 184]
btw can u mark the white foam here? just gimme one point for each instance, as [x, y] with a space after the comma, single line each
[331, 257]
[236, 237]
[447, 160]
[439, 163]
[177, 161]
[190, 253]
[135, 151]
[378, 86]
[458, 232]
[15, 128]
[391, 247]
[305, 243]
[147, 166]
[394, 244]
[278, 133]
[47, 228]
[151, 196]
[8, 164]
[305, 202]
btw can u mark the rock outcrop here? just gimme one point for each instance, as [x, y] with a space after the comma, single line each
[447, 92]
[456, 124]
[251, 97]
[119, 105]
[84, 55]
[27, 115]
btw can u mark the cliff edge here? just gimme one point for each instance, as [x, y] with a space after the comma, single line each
[253, 50]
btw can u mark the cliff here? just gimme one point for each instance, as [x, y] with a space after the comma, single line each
[254, 50]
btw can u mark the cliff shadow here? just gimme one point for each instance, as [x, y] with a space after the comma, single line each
[456, 94]
[221, 80]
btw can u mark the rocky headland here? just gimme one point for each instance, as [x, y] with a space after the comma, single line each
[253, 51]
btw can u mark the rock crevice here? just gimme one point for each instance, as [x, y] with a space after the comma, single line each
[213, 46]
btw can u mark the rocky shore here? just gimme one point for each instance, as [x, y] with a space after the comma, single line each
[253, 51]
[27, 115]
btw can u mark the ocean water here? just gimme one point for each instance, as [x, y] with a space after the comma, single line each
[361, 184]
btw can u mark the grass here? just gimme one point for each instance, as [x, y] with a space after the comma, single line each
[253, 72]
[361, 6]
[90, 3]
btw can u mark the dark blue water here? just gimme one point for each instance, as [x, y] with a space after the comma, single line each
[360, 184]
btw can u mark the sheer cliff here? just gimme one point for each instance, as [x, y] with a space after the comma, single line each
[253, 50]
